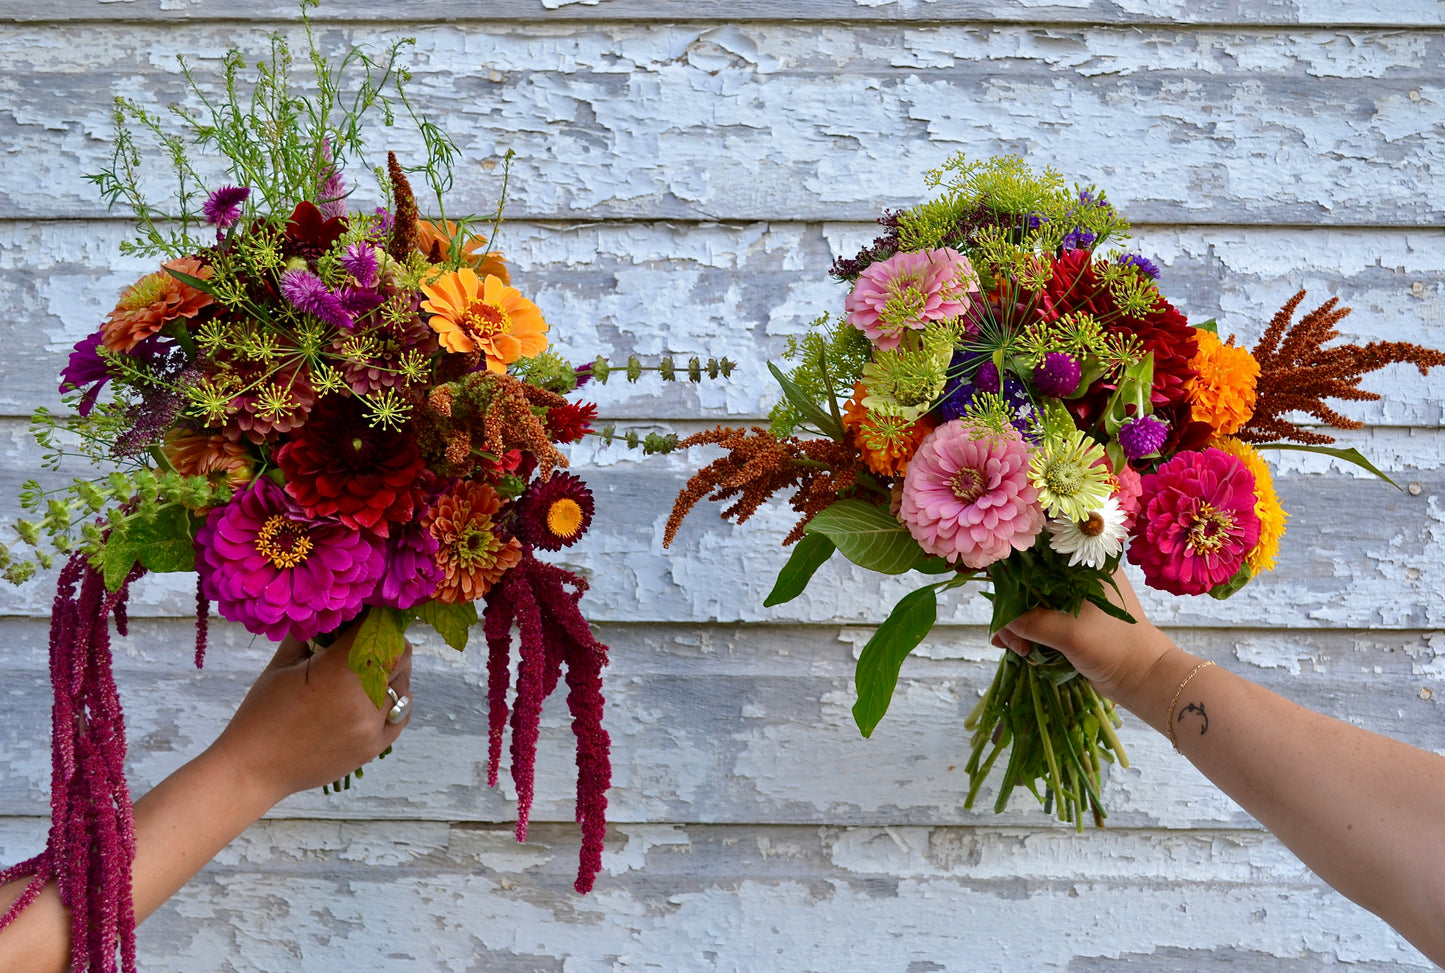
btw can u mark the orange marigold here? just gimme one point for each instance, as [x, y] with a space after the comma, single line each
[200, 454]
[1222, 393]
[470, 552]
[1267, 507]
[153, 302]
[471, 314]
[885, 444]
[433, 242]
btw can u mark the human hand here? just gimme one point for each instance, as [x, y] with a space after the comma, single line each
[1115, 655]
[307, 722]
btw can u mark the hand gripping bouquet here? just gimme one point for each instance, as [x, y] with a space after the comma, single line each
[335, 414]
[1009, 398]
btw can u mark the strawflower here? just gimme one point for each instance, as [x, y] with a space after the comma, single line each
[554, 513]
[967, 496]
[907, 291]
[1197, 524]
[472, 314]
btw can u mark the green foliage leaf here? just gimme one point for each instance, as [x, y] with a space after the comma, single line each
[163, 545]
[882, 658]
[380, 641]
[1349, 455]
[806, 407]
[452, 622]
[809, 554]
[868, 536]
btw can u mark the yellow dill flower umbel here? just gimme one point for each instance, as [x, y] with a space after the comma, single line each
[1222, 392]
[1271, 515]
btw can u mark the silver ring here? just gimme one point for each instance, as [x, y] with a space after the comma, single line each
[400, 706]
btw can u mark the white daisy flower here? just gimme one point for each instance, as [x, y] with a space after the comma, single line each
[1093, 540]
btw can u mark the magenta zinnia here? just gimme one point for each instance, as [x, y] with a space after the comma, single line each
[1197, 522]
[273, 569]
[967, 497]
[907, 291]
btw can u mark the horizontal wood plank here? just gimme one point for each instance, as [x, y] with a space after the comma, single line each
[783, 121]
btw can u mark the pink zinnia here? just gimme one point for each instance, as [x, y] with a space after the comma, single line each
[967, 497]
[1197, 522]
[275, 570]
[908, 290]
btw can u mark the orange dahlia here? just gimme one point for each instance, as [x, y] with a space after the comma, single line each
[1222, 393]
[473, 314]
[211, 456]
[1272, 516]
[153, 302]
[886, 444]
[433, 242]
[470, 552]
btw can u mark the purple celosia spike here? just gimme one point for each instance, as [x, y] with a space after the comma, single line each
[331, 197]
[497, 627]
[308, 293]
[223, 207]
[360, 262]
[527, 709]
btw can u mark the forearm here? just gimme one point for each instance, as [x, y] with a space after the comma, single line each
[180, 825]
[1361, 810]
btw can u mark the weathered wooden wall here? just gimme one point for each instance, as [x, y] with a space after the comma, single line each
[685, 173]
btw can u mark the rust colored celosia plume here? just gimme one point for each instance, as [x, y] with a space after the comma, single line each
[403, 212]
[92, 830]
[758, 465]
[1297, 373]
[554, 636]
[491, 411]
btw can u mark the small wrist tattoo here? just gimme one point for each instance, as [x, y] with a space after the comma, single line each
[1203, 716]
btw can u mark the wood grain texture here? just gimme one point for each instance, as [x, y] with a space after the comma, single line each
[778, 121]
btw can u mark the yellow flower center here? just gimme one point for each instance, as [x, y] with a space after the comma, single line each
[145, 292]
[1064, 479]
[1093, 526]
[477, 545]
[284, 542]
[484, 320]
[564, 517]
[1211, 528]
[967, 484]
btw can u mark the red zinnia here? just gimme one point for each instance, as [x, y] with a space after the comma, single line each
[1197, 523]
[339, 465]
[570, 422]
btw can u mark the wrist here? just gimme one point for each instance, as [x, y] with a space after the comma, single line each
[255, 793]
[1147, 695]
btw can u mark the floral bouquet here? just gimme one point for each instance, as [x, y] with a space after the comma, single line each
[1006, 401]
[336, 415]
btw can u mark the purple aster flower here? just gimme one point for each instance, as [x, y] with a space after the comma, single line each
[86, 367]
[308, 293]
[411, 573]
[276, 571]
[223, 207]
[1142, 436]
[360, 262]
[1144, 264]
[1057, 375]
[331, 196]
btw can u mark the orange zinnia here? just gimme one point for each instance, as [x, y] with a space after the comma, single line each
[470, 552]
[214, 457]
[153, 302]
[1222, 393]
[471, 314]
[886, 451]
[434, 244]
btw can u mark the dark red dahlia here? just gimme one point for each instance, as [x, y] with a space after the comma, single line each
[339, 465]
[569, 423]
[554, 513]
[309, 234]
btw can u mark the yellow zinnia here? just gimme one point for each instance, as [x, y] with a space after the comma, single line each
[1266, 503]
[1222, 393]
[470, 314]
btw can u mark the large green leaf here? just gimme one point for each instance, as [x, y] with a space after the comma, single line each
[452, 622]
[1350, 455]
[878, 665]
[162, 545]
[868, 536]
[821, 418]
[809, 554]
[380, 641]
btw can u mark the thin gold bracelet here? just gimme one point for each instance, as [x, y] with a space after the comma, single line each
[1175, 701]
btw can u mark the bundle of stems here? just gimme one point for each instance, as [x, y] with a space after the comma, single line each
[1059, 733]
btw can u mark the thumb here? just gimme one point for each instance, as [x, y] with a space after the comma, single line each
[1042, 625]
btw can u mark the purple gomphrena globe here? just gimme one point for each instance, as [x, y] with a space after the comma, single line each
[1142, 436]
[276, 571]
[1057, 375]
[986, 378]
